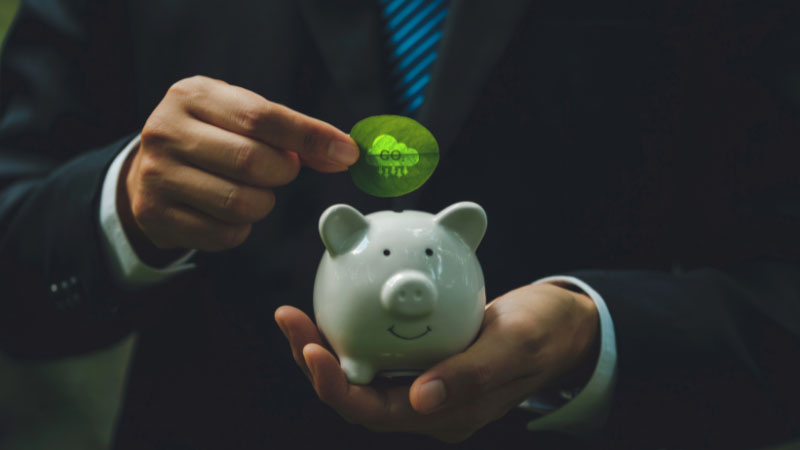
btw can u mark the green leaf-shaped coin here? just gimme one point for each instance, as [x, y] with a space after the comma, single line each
[397, 155]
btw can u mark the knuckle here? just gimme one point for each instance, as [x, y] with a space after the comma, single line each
[246, 205]
[233, 200]
[199, 79]
[178, 88]
[156, 132]
[312, 140]
[188, 89]
[188, 84]
[249, 118]
[150, 169]
[145, 210]
[182, 87]
[245, 160]
[267, 110]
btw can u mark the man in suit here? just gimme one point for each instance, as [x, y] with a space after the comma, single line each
[652, 143]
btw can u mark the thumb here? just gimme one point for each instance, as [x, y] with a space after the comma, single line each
[489, 363]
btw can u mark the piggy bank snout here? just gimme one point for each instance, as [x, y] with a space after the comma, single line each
[409, 294]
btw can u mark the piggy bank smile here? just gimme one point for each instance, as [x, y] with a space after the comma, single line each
[409, 338]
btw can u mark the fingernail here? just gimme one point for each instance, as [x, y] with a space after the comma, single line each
[432, 394]
[343, 152]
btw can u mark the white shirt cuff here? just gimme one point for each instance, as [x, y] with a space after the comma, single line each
[128, 269]
[588, 410]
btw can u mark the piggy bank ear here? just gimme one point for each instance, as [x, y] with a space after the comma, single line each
[466, 219]
[342, 227]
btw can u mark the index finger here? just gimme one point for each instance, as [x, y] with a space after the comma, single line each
[321, 146]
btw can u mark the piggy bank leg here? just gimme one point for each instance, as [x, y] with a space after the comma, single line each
[358, 372]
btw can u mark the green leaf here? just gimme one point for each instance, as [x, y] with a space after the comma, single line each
[398, 155]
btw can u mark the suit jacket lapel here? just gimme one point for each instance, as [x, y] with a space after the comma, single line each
[476, 34]
[349, 36]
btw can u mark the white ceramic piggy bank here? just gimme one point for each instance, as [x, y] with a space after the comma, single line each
[397, 292]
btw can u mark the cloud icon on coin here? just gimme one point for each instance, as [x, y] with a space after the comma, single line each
[390, 156]
[397, 155]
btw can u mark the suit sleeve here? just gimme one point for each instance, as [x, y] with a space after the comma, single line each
[65, 112]
[708, 356]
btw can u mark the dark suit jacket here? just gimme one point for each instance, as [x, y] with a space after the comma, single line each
[649, 148]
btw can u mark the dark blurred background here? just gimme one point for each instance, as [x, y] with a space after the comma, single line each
[62, 404]
[70, 403]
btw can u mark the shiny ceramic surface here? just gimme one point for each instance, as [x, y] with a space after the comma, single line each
[397, 292]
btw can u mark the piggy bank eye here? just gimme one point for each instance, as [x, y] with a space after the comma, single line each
[429, 252]
[386, 252]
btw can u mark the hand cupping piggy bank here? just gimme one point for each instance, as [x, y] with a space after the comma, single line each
[397, 292]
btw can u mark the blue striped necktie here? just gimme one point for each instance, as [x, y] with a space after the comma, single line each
[413, 31]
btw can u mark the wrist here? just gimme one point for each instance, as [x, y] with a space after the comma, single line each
[590, 343]
[141, 244]
[586, 340]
